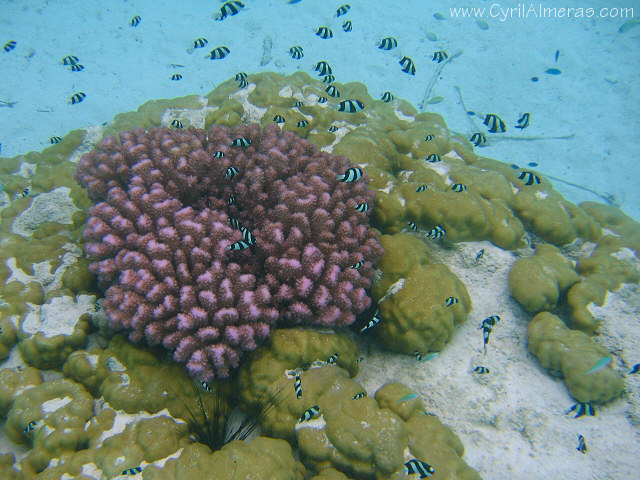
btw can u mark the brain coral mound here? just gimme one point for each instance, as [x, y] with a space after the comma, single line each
[171, 204]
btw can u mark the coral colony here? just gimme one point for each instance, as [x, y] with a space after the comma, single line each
[204, 240]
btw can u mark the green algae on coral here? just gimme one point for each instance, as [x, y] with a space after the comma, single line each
[536, 282]
[133, 379]
[569, 354]
[49, 334]
[415, 319]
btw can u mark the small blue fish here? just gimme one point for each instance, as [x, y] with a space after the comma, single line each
[70, 60]
[231, 172]
[635, 369]
[132, 471]
[388, 43]
[581, 409]
[411, 396]
[309, 414]
[342, 10]
[324, 33]
[218, 53]
[481, 370]
[439, 56]
[296, 52]
[450, 301]
[523, 121]
[416, 466]
[200, 42]
[25, 193]
[229, 9]
[350, 106]
[600, 364]
[487, 325]
[351, 175]
[372, 323]
[430, 356]
[436, 232]
[479, 256]
[247, 236]
[582, 445]
[490, 321]
[298, 386]
[241, 245]
[323, 68]
[78, 97]
[478, 139]
[552, 71]
[30, 426]
[495, 123]
[407, 66]
[529, 178]
[241, 142]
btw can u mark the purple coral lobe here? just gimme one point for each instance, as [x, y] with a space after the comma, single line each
[159, 232]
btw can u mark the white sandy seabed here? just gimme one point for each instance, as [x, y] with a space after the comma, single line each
[511, 421]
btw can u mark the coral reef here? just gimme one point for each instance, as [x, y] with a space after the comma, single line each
[130, 379]
[53, 330]
[536, 282]
[416, 318]
[166, 247]
[272, 368]
[570, 354]
[361, 436]
[138, 396]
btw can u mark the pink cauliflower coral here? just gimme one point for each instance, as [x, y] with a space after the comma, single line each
[169, 206]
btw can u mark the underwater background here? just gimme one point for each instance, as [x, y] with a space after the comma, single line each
[503, 313]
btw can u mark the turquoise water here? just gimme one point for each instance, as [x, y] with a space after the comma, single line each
[501, 47]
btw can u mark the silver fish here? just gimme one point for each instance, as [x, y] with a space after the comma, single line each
[393, 289]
